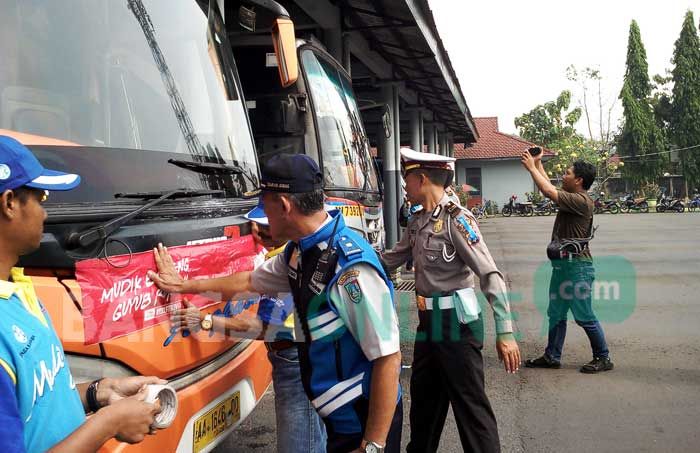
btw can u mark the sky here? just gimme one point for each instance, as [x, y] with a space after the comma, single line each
[512, 55]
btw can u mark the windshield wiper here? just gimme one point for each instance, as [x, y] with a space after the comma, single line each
[182, 193]
[214, 168]
[88, 237]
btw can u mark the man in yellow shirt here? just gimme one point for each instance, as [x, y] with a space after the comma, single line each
[41, 407]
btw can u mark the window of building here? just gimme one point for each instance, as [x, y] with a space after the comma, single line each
[473, 178]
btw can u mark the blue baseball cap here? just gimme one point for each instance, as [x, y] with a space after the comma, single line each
[257, 214]
[291, 173]
[19, 167]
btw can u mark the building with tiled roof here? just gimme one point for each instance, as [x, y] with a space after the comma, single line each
[493, 144]
[492, 164]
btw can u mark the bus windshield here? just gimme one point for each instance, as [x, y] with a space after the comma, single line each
[135, 80]
[344, 147]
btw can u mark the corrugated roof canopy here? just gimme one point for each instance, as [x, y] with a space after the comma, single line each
[404, 33]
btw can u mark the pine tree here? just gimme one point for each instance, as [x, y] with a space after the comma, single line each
[685, 105]
[640, 137]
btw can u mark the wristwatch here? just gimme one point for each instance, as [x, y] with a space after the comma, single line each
[207, 322]
[373, 447]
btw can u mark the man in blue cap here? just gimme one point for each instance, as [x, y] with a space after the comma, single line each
[299, 428]
[350, 359]
[41, 407]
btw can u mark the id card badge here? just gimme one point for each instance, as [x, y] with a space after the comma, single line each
[466, 305]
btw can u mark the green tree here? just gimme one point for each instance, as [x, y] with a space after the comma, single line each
[552, 125]
[684, 121]
[661, 100]
[641, 138]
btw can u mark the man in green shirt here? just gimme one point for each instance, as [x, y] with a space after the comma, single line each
[572, 276]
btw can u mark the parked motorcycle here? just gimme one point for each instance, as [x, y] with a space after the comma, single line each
[522, 209]
[694, 204]
[601, 205]
[544, 207]
[629, 203]
[665, 203]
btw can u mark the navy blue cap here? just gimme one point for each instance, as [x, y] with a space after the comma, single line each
[19, 167]
[291, 173]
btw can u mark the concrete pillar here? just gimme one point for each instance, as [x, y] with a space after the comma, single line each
[388, 151]
[430, 132]
[414, 125]
[421, 129]
[450, 144]
[436, 132]
[397, 137]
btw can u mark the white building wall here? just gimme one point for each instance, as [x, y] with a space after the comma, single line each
[499, 179]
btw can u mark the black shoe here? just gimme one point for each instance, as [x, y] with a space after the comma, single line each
[542, 362]
[597, 365]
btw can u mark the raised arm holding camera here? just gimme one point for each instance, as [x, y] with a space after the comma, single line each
[571, 267]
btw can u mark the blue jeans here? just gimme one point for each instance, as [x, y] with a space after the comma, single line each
[570, 289]
[299, 427]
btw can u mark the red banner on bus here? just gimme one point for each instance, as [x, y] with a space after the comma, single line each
[119, 299]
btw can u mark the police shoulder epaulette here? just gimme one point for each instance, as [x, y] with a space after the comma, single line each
[453, 208]
[465, 224]
[348, 246]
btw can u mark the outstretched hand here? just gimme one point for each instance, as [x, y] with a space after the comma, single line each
[167, 277]
[189, 317]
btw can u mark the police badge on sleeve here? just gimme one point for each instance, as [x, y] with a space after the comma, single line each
[465, 223]
[351, 284]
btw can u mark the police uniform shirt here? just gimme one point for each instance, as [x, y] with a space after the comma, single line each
[360, 297]
[446, 259]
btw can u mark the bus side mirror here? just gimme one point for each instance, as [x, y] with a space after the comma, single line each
[284, 42]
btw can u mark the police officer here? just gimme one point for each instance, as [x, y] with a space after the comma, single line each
[448, 250]
[349, 357]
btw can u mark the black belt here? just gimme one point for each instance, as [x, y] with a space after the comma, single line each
[280, 345]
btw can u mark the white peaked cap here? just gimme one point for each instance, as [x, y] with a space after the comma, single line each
[411, 160]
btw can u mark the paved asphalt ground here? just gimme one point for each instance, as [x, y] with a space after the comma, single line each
[649, 403]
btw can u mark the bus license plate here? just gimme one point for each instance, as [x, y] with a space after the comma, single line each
[210, 425]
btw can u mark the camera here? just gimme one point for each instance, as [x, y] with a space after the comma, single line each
[535, 151]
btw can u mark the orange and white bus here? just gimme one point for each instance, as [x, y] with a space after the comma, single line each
[142, 99]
